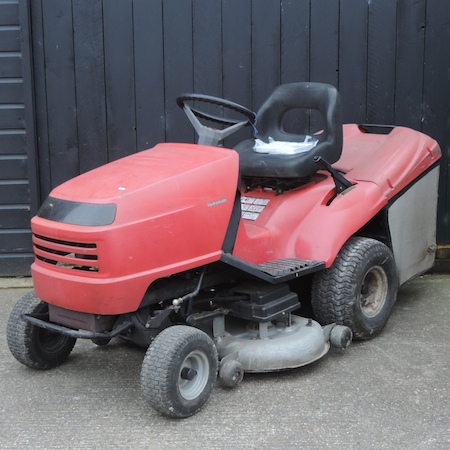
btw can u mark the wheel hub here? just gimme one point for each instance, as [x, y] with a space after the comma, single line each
[188, 373]
[374, 290]
[194, 375]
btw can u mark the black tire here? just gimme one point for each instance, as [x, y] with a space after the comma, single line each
[179, 371]
[359, 289]
[341, 337]
[231, 373]
[33, 346]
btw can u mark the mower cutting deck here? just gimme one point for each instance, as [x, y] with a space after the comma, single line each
[206, 254]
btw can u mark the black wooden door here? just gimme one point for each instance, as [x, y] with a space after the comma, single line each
[18, 184]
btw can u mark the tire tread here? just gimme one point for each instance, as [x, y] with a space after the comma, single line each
[20, 336]
[159, 363]
[333, 290]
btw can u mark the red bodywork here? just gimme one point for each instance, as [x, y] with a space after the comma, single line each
[302, 222]
[174, 204]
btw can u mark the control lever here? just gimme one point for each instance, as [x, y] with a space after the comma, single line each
[340, 181]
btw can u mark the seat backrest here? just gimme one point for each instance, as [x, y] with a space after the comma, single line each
[321, 97]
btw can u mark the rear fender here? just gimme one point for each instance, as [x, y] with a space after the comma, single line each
[326, 228]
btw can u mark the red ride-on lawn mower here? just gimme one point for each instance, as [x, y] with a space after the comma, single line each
[205, 254]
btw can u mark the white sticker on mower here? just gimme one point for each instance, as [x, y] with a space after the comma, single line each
[252, 207]
[217, 202]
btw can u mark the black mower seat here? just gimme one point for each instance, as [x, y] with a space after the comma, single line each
[269, 123]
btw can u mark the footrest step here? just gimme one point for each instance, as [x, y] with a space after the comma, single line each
[288, 266]
[276, 271]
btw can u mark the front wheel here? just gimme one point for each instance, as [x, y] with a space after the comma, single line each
[31, 345]
[179, 371]
[359, 289]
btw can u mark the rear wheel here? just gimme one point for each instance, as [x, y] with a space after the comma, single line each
[359, 289]
[179, 371]
[31, 345]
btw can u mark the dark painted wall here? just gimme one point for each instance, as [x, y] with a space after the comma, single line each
[107, 73]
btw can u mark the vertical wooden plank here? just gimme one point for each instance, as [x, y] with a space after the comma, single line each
[40, 97]
[409, 63]
[266, 44]
[436, 72]
[324, 42]
[29, 104]
[178, 66]
[237, 59]
[353, 59]
[149, 72]
[119, 74]
[237, 41]
[207, 46]
[90, 83]
[436, 101]
[295, 43]
[381, 61]
[60, 84]
[324, 53]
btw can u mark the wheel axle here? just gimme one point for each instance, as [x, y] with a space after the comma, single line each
[187, 373]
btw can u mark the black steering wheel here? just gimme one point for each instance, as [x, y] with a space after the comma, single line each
[208, 135]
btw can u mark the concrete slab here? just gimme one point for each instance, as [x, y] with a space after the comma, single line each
[390, 392]
[16, 282]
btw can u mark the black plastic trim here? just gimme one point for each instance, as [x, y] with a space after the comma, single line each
[233, 225]
[77, 213]
[370, 128]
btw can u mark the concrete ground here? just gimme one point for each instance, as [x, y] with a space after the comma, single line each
[391, 392]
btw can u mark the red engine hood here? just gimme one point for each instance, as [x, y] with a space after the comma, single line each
[150, 169]
[173, 206]
[169, 177]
